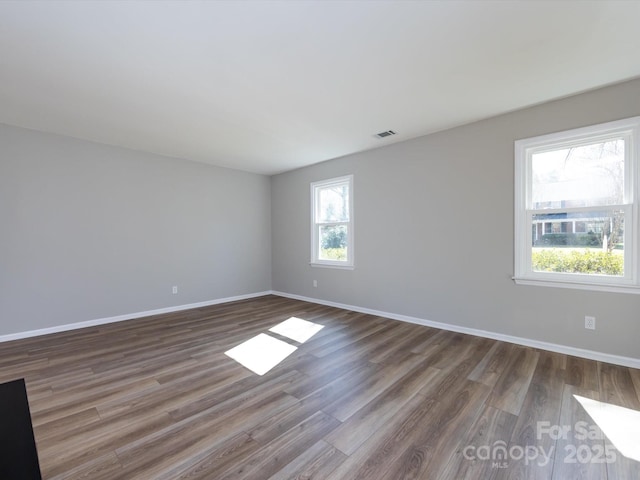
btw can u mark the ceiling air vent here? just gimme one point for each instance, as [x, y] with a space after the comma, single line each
[388, 133]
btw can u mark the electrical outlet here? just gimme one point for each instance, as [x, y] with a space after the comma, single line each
[590, 323]
[315, 283]
[174, 290]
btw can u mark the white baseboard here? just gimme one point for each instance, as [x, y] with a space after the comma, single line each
[552, 347]
[121, 318]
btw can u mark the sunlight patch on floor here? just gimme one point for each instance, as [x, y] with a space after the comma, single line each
[297, 329]
[621, 425]
[261, 353]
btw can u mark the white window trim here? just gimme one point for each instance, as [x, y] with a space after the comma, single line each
[315, 261]
[523, 274]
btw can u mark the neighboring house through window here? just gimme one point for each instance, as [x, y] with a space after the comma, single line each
[332, 222]
[576, 208]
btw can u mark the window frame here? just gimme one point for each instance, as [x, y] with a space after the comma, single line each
[316, 261]
[629, 130]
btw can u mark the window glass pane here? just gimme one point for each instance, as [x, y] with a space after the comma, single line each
[590, 243]
[333, 242]
[333, 204]
[581, 176]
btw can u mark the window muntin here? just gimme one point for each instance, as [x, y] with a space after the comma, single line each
[576, 206]
[332, 222]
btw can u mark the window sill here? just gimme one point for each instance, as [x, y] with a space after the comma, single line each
[332, 265]
[612, 288]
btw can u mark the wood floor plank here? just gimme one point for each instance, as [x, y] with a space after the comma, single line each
[459, 345]
[279, 422]
[616, 390]
[433, 448]
[542, 403]
[567, 464]
[370, 418]
[69, 424]
[434, 338]
[635, 378]
[71, 402]
[582, 373]
[551, 370]
[313, 382]
[385, 378]
[395, 341]
[388, 444]
[365, 398]
[192, 437]
[476, 460]
[284, 449]
[363, 332]
[106, 467]
[66, 454]
[223, 398]
[317, 463]
[493, 364]
[511, 388]
[208, 462]
[616, 386]
[457, 370]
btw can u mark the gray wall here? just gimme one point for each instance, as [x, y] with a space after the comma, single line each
[91, 231]
[434, 232]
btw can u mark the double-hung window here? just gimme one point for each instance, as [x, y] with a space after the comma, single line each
[332, 222]
[576, 208]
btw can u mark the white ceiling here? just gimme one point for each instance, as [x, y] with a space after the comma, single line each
[268, 86]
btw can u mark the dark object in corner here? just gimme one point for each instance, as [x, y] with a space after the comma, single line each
[18, 453]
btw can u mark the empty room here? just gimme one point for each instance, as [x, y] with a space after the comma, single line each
[342, 240]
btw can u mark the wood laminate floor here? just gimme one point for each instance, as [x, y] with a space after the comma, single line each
[365, 398]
